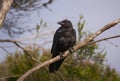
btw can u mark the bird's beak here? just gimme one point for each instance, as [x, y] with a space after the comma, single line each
[61, 23]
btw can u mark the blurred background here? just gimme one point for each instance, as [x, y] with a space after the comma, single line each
[33, 22]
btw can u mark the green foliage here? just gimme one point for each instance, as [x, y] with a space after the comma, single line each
[42, 25]
[18, 63]
[81, 24]
[91, 52]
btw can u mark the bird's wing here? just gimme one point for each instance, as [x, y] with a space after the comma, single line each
[74, 36]
[56, 39]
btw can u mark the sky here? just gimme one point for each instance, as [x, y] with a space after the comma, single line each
[97, 13]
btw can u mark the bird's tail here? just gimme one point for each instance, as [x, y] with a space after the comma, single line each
[55, 66]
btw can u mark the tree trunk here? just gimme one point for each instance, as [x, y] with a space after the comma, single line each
[4, 7]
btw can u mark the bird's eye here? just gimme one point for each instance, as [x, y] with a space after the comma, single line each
[64, 21]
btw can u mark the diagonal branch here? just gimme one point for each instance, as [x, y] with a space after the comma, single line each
[4, 50]
[4, 78]
[113, 44]
[76, 47]
[103, 39]
[24, 49]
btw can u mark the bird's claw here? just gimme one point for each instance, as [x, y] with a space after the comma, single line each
[61, 56]
[71, 50]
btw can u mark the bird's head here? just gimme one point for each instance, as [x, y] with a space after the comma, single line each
[65, 23]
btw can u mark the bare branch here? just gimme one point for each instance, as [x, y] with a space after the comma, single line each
[76, 47]
[116, 36]
[6, 4]
[4, 50]
[25, 50]
[7, 40]
[113, 44]
[4, 78]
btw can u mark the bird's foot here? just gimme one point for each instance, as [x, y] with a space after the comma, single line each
[61, 55]
[71, 50]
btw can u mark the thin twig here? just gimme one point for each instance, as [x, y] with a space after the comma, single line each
[112, 43]
[103, 39]
[4, 78]
[7, 40]
[25, 50]
[5, 50]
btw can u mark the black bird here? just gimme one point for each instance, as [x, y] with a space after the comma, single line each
[64, 39]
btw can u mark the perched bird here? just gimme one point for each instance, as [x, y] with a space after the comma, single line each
[64, 39]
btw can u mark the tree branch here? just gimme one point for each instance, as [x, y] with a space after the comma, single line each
[116, 36]
[4, 78]
[24, 49]
[4, 50]
[4, 7]
[7, 40]
[76, 47]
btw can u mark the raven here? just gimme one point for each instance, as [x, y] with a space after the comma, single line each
[64, 39]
